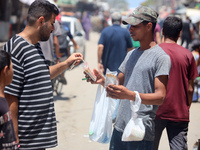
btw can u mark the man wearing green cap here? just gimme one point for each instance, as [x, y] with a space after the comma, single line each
[145, 70]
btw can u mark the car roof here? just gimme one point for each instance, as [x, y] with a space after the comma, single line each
[68, 18]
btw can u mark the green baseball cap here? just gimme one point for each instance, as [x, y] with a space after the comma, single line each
[140, 14]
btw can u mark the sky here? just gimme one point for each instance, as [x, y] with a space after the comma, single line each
[134, 3]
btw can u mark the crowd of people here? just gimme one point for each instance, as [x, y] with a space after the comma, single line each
[159, 69]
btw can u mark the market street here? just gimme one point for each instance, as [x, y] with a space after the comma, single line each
[74, 109]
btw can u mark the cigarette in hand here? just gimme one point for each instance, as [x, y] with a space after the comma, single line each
[72, 66]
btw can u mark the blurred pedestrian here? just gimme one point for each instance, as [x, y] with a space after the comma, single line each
[145, 70]
[30, 94]
[86, 24]
[104, 20]
[113, 45]
[173, 114]
[64, 48]
[195, 51]
[187, 32]
[7, 134]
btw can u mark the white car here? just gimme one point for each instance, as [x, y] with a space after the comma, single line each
[77, 31]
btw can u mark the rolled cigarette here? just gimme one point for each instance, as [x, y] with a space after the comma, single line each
[72, 66]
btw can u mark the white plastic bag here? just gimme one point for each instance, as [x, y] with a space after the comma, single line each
[101, 123]
[134, 130]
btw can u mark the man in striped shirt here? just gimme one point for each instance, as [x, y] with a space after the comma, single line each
[30, 95]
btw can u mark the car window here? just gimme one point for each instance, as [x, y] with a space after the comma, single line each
[67, 24]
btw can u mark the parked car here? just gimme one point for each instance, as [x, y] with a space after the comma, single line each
[77, 31]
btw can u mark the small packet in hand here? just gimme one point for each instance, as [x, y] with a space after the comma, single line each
[111, 77]
[88, 71]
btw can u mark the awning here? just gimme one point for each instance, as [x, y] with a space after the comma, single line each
[66, 2]
[193, 14]
[29, 2]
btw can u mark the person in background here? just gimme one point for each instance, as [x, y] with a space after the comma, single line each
[86, 24]
[7, 133]
[195, 51]
[113, 45]
[64, 48]
[145, 70]
[187, 32]
[173, 114]
[157, 37]
[30, 95]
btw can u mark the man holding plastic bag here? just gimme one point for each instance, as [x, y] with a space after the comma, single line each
[142, 79]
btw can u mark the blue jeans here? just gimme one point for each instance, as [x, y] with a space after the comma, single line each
[117, 144]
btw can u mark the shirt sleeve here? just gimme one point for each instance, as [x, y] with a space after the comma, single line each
[69, 34]
[163, 65]
[191, 26]
[16, 86]
[193, 72]
[102, 38]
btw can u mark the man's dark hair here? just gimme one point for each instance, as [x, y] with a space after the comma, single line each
[41, 8]
[116, 21]
[4, 59]
[153, 25]
[172, 27]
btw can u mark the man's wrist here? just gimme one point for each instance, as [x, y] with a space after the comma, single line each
[132, 96]
[103, 82]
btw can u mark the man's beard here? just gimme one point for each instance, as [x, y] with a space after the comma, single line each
[44, 34]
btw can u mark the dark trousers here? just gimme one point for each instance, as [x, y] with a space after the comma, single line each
[188, 40]
[176, 131]
[117, 144]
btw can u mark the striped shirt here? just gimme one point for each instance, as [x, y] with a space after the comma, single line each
[32, 85]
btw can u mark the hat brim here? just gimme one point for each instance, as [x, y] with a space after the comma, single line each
[132, 21]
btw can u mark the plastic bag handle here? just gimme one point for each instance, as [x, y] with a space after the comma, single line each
[135, 105]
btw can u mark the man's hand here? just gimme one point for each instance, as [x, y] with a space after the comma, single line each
[78, 57]
[100, 68]
[76, 47]
[99, 80]
[119, 92]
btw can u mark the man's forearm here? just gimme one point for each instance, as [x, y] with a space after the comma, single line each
[100, 52]
[56, 45]
[57, 69]
[190, 91]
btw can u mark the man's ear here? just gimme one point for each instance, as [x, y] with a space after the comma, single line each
[149, 26]
[4, 70]
[41, 20]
